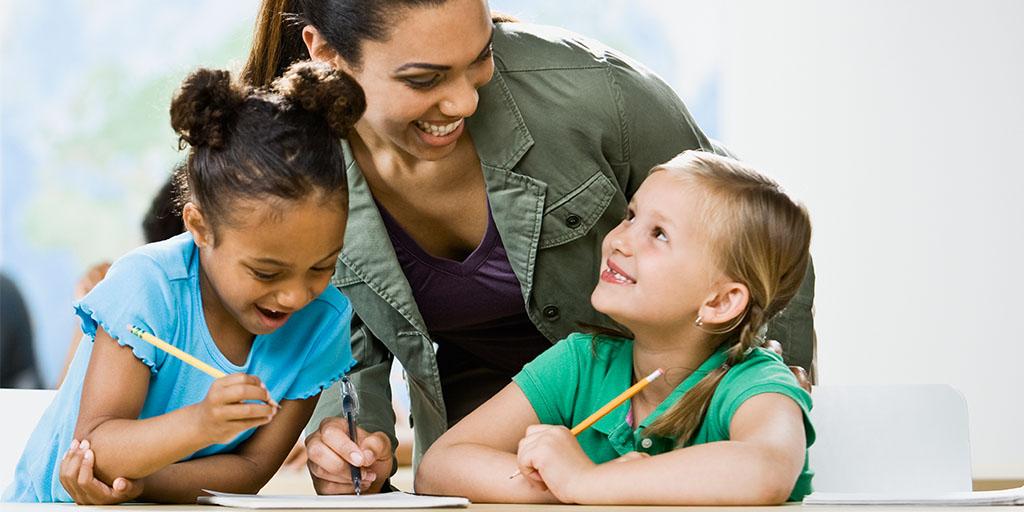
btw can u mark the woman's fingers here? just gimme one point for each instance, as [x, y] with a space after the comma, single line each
[334, 435]
[296, 459]
[324, 463]
[332, 454]
[376, 447]
[801, 377]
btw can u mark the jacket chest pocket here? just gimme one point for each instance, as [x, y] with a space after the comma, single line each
[572, 215]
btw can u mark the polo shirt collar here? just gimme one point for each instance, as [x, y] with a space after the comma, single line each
[620, 377]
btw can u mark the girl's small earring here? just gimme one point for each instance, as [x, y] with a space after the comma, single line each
[699, 322]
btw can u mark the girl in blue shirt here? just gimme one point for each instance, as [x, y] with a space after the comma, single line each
[708, 251]
[245, 290]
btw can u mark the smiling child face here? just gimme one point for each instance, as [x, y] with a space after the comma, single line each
[657, 265]
[272, 259]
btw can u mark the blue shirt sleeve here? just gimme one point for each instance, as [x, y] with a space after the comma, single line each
[330, 356]
[135, 291]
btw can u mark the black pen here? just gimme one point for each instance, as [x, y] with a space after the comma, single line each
[350, 407]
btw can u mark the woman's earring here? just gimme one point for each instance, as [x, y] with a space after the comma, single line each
[699, 322]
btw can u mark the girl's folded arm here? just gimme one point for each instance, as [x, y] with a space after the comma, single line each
[476, 456]
[759, 465]
[245, 471]
[114, 392]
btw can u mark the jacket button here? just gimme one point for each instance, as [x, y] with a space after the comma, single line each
[573, 221]
[646, 442]
[551, 312]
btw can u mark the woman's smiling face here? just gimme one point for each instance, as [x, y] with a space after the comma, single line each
[421, 81]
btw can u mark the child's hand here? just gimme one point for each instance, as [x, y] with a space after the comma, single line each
[77, 478]
[225, 412]
[90, 279]
[550, 458]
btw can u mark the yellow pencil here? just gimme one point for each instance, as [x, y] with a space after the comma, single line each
[608, 407]
[176, 352]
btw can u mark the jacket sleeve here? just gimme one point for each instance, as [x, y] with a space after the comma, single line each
[794, 327]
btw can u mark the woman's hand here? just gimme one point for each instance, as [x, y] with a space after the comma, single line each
[93, 275]
[551, 458]
[802, 378]
[228, 409]
[296, 459]
[77, 478]
[332, 453]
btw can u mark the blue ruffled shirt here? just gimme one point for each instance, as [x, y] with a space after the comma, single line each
[156, 287]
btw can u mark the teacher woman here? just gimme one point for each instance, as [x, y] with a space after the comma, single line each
[492, 159]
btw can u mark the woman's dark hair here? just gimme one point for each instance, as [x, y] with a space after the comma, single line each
[276, 142]
[345, 24]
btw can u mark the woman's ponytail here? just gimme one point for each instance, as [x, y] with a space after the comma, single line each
[276, 42]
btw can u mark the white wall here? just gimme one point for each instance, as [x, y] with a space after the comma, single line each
[900, 124]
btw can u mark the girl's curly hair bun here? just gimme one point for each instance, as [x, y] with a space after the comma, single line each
[204, 109]
[318, 88]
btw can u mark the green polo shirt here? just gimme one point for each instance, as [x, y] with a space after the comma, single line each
[579, 375]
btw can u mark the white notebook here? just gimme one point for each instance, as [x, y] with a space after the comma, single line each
[382, 500]
[977, 498]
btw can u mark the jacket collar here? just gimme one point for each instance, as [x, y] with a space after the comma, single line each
[501, 139]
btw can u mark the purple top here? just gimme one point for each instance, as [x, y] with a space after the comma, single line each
[475, 312]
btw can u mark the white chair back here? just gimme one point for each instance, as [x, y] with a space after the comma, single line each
[22, 409]
[890, 438]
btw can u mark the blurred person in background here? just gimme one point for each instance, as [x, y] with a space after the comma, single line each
[17, 360]
[162, 221]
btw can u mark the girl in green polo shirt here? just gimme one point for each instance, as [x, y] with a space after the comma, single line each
[709, 251]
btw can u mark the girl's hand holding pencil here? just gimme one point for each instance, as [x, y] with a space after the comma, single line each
[229, 408]
[234, 404]
[550, 458]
